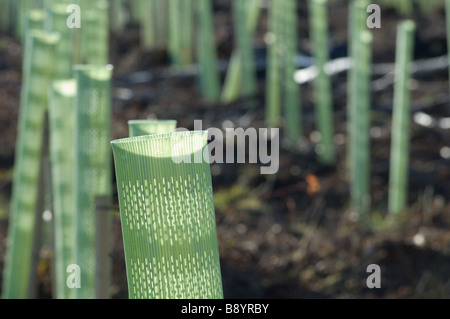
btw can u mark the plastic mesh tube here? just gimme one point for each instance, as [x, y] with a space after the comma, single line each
[167, 215]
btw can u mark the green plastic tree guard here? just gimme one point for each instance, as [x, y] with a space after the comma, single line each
[244, 43]
[37, 76]
[62, 154]
[148, 127]
[167, 215]
[35, 20]
[117, 14]
[272, 116]
[323, 97]
[95, 33]
[233, 79]
[180, 32]
[5, 12]
[292, 112]
[447, 19]
[56, 21]
[93, 163]
[23, 9]
[399, 162]
[360, 126]
[148, 25]
[206, 50]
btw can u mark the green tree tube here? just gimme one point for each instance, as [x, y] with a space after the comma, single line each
[118, 15]
[233, 79]
[35, 20]
[447, 15]
[357, 11]
[95, 33]
[37, 76]
[148, 127]
[187, 32]
[360, 136]
[399, 164]
[273, 65]
[180, 32]
[23, 9]
[62, 154]
[289, 31]
[206, 50]
[56, 21]
[167, 216]
[162, 29]
[175, 32]
[244, 45]
[324, 103]
[136, 11]
[148, 27]
[92, 163]
[5, 12]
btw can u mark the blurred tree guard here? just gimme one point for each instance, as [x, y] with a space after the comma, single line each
[447, 15]
[95, 32]
[62, 155]
[167, 215]
[35, 20]
[360, 134]
[399, 167]
[281, 87]
[56, 21]
[5, 13]
[181, 32]
[148, 25]
[233, 79]
[292, 102]
[244, 45]
[136, 7]
[358, 108]
[118, 18]
[206, 51]
[23, 8]
[324, 102]
[148, 127]
[92, 163]
[39, 57]
[273, 71]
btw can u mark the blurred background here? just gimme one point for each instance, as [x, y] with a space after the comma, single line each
[292, 234]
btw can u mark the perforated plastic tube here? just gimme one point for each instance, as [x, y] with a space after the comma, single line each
[93, 163]
[37, 76]
[167, 215]
[147, 127]
[62, 154]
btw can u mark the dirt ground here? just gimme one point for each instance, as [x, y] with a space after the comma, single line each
[278, 236]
